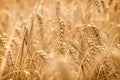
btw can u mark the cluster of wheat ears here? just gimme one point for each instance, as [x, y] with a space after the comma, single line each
[60, 40]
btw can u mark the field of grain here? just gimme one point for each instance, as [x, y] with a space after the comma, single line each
[59, 39]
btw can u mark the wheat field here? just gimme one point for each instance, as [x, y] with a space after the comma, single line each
[59, 39]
